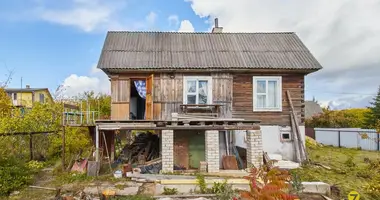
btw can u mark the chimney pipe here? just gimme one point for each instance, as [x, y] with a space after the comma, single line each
[216, 28]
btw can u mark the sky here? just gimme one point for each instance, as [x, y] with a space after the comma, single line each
[50, 43]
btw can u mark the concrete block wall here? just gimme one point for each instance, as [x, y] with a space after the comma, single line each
[212, 150]
[167, 141]
[254, 148]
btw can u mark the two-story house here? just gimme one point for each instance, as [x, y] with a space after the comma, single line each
[25, 97]
[204, 92]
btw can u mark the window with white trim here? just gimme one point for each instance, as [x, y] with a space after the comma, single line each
[197, 90]
[267, 95]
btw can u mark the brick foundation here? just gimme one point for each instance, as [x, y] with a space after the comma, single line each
[167, 140]
[254, 148]
[212, 151]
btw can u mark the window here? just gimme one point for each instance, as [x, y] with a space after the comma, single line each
[42, 98]
[197, 90]
[267, 94]
[15, 96]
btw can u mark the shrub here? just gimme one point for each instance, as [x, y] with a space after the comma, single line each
[170, 191]
[13, 175]
[273, 184]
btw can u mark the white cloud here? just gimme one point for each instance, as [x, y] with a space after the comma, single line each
[342, 35]
[173, 20]
[87, 15]
[186, 26]
[97, 82]
[151, 17]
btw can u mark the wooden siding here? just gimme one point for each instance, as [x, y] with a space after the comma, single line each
[243, 99]
[120, 95]
[234, 91]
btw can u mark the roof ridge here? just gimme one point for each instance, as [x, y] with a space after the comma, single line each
[173, 32]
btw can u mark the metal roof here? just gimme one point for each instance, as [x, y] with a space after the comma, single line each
[24, 89]
[312, 108]
[173, 50]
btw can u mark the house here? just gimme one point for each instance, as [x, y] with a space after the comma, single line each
[205, 93]
[312, 108]
[25, 97]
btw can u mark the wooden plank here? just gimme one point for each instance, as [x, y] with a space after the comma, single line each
[294, 121]
[149, 98]
[156, 111]
[119, 111]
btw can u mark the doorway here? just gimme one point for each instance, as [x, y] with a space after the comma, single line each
[137, 101]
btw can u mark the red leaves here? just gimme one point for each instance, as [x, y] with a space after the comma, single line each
[268, 184]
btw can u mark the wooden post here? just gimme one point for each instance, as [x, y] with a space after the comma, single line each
[109, 158]
[31, 146]
[63, 148]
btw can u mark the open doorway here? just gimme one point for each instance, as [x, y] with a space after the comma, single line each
[137, 101]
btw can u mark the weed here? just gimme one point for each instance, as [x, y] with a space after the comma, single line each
[120, 186]
[202, 184]
[73, 177]
[296, 183]
[350, 162]
[170, 191]
[223, 191]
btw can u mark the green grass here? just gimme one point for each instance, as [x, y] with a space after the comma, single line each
[348, 172]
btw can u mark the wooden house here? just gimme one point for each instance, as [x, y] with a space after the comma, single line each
[240, 77]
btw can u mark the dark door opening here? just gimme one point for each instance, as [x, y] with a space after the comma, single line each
[137, 103]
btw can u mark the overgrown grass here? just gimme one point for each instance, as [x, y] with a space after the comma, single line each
[351, 169]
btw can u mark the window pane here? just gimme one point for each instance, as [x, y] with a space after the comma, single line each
[260, 102]
[261, 87]
[191, 86]
[202, 92]
[191, 99]
[272, 94]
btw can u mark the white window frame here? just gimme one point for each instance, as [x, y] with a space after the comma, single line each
[197, 78]
[279, 93]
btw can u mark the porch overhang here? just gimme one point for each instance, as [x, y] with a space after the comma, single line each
[191, 124]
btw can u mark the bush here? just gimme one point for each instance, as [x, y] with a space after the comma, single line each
[170, 191]
[13, 175]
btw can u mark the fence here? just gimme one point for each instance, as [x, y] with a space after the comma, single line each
[366, 139]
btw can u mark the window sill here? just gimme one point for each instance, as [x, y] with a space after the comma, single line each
[267, 110]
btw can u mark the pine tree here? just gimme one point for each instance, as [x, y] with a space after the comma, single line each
[373, 117]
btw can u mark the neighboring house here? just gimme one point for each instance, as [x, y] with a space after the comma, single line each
[25, 97]
[312, 108]
[244, 76]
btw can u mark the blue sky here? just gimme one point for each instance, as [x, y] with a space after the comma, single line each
[58, 42]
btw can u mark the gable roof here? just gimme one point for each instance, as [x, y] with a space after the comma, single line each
[312, 108]
[25, 89]
[173, 50]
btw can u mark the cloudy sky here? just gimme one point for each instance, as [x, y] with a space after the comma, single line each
[49, 43]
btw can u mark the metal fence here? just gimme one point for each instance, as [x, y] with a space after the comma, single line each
[366, 139]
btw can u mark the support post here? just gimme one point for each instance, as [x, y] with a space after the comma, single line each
[97, 143]
[167, 150]
[254, 148]
[31, 146]
[212, 150]
[63, 147]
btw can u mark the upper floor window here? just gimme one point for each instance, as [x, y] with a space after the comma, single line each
[42, 98]
[197, 90]
[267, 93]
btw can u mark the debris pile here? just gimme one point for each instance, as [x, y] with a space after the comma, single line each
[145, 147]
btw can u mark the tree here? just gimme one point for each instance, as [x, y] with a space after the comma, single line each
[373, 116]
[348, 118]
